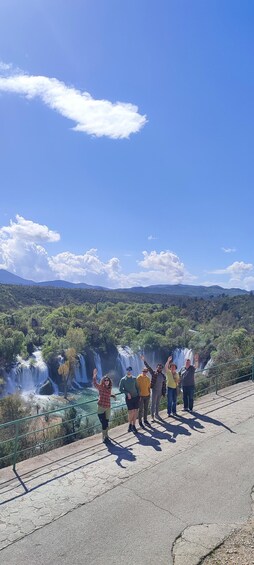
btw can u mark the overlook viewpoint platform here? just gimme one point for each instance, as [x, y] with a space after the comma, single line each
[169, 494]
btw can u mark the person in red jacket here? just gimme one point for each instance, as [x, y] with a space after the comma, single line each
[104, 402]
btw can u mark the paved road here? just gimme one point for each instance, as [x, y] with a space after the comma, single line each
[197, 472]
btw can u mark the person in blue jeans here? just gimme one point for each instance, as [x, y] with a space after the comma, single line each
[172, 383]
[188, 385]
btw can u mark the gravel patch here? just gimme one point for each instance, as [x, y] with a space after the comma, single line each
[237, 549]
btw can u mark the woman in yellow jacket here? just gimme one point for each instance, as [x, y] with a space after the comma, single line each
[144, 385]
[172, 383]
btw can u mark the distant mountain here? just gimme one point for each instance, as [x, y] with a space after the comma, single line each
[10, 278]
[66, 284]
[185, 290]
[166, 289]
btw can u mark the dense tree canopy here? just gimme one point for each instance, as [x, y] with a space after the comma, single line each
[59, 319]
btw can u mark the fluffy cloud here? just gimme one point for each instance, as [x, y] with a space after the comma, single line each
[20, 249]
[85, 268]
[237, 269]
[22, 252]
[28, 231]
[239, 274]
[94, 117]
[160, 268]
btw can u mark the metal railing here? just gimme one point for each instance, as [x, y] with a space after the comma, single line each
[21, 440]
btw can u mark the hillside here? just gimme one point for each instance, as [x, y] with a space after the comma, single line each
[198, 291]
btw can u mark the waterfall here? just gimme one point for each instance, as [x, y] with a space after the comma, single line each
[127, 358]
[80, 371]
[97, 362]
[43, 372]
[180, 355]
[28, 375]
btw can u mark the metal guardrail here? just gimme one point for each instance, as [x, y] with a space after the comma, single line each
[41, 439]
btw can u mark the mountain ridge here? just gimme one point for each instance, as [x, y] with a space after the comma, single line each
[175, 289]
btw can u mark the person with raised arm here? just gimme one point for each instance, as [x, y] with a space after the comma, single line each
[158, 386]
[172, 384]
[129, 386]
[104, 402]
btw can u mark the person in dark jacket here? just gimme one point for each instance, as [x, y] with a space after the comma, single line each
[188, 385]
[158, 387]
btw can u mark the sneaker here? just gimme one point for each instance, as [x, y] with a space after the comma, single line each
[141, 424]
[130, 428]
[175, 414]
[134, 429]
[146, 422]
[169, 415]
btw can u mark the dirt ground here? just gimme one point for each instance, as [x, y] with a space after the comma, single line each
[238, 549]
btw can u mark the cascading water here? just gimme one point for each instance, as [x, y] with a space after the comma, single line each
[28, 375]
[180, 355]
[126, 357]
[97, 362]
[81, 372]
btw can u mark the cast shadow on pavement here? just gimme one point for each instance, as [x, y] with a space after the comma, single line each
[161, 435]
[207, 419]
[121, 453]
[176, 429]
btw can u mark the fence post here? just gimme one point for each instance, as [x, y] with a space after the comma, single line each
[15, 446]
[216, 382]
[252, 372]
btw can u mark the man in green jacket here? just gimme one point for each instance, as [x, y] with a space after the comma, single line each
[128, 385]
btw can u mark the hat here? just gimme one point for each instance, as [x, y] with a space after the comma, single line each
[129, 369]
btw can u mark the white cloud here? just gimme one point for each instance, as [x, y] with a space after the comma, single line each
[237, 269]
[239, 274]
[28, 231]
[94, 117]
[228, 249]
[20, 249]
[5, 66]
[22, 252]
[85, 268]
[151, 237]
[164, 267]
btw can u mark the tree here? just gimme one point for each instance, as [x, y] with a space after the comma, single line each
[67, 369]
[76, 339]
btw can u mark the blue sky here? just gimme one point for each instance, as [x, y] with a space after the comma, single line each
[126, 147]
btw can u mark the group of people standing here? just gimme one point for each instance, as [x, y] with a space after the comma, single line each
[164, 380]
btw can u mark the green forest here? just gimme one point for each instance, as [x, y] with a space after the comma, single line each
[57, 319]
